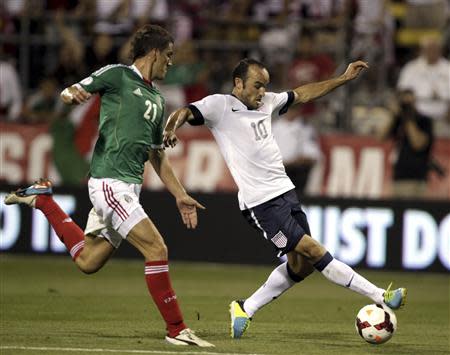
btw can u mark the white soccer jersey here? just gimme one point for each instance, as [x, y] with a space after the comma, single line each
[247, 144]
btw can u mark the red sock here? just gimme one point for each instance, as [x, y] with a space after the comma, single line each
[66, 229]
[160, 288]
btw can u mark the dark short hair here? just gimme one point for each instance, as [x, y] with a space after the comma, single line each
[149, 37]
[241, 69]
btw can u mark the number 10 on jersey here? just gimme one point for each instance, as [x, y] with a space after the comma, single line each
[259, 129]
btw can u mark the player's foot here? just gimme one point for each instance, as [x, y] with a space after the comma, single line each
[396, 298]
[27, 195]
[240, 320]
[188, 337]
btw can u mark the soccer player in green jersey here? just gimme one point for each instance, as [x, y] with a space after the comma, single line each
[130, 133]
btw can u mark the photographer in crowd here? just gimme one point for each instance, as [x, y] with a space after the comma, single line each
[413, 136]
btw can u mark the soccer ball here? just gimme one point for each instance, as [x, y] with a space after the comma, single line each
[376, 323]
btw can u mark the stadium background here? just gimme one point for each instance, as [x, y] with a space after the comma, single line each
[48, 307]
[52, 44]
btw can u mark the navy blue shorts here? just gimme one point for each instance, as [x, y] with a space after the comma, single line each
[281, 220]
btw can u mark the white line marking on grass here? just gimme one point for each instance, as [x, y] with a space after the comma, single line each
[123, 351]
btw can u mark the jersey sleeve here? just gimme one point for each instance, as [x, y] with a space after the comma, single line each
[208, 110]
[281, 102]
[103, 80]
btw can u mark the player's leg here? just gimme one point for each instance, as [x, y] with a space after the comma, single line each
[147, 239]
[282, 278]
[281, 221]
[117, 205]
[88, 254]
[94, 255]
[342, 274]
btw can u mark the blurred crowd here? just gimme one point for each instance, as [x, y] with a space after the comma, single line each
[46, 45]
[405, 42]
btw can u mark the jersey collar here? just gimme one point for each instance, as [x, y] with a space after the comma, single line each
[237, 98]
[136, 70]
[248, 108]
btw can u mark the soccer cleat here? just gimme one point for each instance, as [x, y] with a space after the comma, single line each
[240, 321]
[27, 195]
[396, 298]
[188, 337]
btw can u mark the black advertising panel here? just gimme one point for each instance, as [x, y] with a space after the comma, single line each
[373, 234]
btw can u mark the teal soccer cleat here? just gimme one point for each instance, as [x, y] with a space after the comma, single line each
[240, 321]
[396, 298]
[27, 195]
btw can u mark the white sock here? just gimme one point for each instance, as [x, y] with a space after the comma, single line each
[278, 282]
[342, 274]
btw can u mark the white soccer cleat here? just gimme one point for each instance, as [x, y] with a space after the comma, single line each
[27, 195]
[188, 337]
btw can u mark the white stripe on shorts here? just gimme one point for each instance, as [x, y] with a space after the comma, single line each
[257, 223]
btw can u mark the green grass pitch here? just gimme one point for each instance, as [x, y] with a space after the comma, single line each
[49, 307]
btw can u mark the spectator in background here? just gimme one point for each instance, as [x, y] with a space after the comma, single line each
[186, 80]
[43, 106]
[298, 142]
[309, 66]
[70, 65]
[413, 136]
[101, 52]
[113, 17]
[10, 92]
[426, 13]
[276, 48]
[428, 76]
[372, 39]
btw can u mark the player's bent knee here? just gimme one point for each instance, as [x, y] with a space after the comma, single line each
[88, 265]
[88, 268]
[310, 248]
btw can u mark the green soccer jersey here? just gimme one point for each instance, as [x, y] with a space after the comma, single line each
[131, 122]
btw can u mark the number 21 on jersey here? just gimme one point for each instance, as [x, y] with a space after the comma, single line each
[151, 109]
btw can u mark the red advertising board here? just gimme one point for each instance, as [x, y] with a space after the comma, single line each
[352, 166]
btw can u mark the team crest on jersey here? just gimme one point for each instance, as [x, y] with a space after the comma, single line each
[280, 240]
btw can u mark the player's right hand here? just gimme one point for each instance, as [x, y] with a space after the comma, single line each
[74, 94]
[170, 139]
[188, 210]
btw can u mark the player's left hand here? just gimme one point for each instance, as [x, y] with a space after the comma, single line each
[188, 210]
[354, 69]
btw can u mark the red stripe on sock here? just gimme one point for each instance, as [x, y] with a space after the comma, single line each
[67, 230]
[164, 296]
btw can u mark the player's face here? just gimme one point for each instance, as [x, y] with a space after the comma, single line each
[162, 62]
[254, 87]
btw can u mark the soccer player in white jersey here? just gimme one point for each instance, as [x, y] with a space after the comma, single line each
[241, 125]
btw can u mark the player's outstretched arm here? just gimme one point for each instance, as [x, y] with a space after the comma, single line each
[313, 91]
[185, 203]
[175, 120]
[74, 94]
